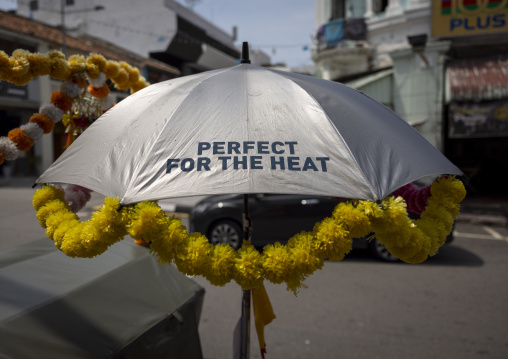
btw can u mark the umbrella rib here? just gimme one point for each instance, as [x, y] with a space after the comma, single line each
[337, 131]
[136, 171]
[349, 151]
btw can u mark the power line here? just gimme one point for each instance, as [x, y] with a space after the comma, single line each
[280, 46]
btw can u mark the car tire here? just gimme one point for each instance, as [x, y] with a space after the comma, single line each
[380, 252]
[226, 231]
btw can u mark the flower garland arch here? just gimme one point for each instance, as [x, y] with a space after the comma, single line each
[410, 240]
[75, 72]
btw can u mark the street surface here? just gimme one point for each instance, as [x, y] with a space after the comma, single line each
[452, 306]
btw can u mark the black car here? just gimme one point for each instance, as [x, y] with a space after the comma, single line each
[275, 218]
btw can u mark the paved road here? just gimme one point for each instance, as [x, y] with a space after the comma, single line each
[452, 306]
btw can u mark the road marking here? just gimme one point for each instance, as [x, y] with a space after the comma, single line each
[82, 214]
[478, 236]
[492, 232]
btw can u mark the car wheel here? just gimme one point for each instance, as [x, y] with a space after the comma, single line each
[226, 232]
[380, 252]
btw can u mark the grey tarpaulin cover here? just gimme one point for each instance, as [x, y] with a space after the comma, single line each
[120, 304]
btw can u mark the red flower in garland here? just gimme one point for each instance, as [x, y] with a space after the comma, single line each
[83, 122]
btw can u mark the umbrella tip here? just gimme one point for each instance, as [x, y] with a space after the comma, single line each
[245, 53]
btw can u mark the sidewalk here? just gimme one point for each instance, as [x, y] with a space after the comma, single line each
[474, 209]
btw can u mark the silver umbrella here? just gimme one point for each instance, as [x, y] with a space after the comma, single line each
[247, 129]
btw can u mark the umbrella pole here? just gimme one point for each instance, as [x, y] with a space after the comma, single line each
[245, 325]
[246, 297]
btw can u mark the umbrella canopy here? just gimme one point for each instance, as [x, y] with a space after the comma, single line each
[247, 129]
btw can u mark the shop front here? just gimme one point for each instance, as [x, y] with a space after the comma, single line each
[475, 110]
[476, 117]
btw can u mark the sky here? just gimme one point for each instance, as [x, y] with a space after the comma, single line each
[7, 5]
[283, 29]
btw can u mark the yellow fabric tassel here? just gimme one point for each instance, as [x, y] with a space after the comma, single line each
[263, 314]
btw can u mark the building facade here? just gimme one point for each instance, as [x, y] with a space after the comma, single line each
[160, 29]
[441, 65]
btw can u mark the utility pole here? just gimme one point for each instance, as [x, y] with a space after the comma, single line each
[62, 20]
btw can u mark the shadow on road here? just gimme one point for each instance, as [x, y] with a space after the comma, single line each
[449, 255]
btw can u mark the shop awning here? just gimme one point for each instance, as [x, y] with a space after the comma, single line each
[378, 85]
[477, 80]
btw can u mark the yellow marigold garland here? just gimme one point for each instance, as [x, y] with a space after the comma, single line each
[410, 240]
[221, 265]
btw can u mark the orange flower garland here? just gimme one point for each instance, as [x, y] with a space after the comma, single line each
[99, 92]
[80, 81]
[61, 100]
[21, 139]
[24, 66]
[43, 121]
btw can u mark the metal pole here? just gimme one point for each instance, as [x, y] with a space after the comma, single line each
[62, 15]
[247, 225]
[245, 325]
[246, 297]
[247, 231]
